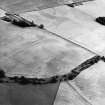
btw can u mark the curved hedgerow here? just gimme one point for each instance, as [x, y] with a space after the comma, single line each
[54, 79]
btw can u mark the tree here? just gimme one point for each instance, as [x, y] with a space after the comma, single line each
[101, 20]
[2, 74]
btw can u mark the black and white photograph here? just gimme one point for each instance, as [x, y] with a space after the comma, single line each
[52, 52]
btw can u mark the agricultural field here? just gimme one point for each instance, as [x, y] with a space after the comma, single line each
[70, 40]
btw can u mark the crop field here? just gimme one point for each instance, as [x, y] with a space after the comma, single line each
[70, 37]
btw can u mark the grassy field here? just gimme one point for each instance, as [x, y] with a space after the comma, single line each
[27, 5]
[14, 94]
